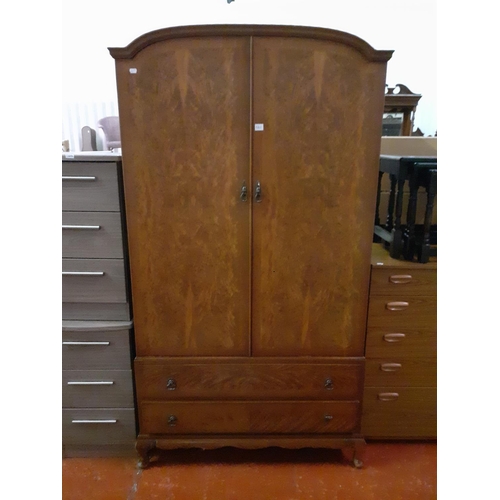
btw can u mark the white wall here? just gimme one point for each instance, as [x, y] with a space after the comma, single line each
[407, 27]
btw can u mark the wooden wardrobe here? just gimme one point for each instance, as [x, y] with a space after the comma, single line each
[250, 165]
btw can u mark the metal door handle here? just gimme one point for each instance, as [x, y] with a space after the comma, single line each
[243, 192]
[258, 192]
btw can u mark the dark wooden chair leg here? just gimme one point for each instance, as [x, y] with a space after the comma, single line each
[431, 188]
[411, 215]
[397, 234]
[376, 238]
[392, 198]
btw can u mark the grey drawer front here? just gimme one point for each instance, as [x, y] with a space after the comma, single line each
[92, 235]
[94, 429]
[97, 389]
[108, 287]
[90, 195]
[92, 311]
[112, 352]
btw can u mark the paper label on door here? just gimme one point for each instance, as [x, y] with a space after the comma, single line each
[259, 127]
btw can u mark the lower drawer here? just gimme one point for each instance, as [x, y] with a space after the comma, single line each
[420, 372]
[235, 417]
[402, 412]
[97, 389]
[98, 426]
[171, 379]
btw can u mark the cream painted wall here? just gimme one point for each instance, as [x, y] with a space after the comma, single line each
[407, 27]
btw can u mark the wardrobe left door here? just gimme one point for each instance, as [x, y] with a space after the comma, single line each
[185, 129]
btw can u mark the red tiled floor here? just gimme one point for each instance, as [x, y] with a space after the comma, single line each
[393, 471]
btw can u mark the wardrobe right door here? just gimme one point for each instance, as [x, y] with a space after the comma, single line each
[317, 119]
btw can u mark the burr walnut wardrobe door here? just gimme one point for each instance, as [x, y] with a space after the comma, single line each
[185, 118]
[317, 111]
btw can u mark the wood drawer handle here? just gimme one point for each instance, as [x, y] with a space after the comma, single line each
[394, 337]
[390, 367]
[388, 396]
[400, 278]
[397, 306]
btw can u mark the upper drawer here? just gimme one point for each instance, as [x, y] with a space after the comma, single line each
[92, 235]
[93, 280]
[90, 187]
[166, 379]
[386, 281]
[415, 312]
[96, 350]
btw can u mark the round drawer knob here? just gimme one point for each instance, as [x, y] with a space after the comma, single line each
[171, 384]
[172, 420]
[328, 418]
[329, 384]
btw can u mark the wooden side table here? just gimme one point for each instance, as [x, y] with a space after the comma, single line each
[417, 171]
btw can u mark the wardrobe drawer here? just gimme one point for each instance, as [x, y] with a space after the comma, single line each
[394, 282]
[402, 310]
[96, 350]
[92, 235]
[173, 380]
[403, 412]
[97, 389]
[98, 426]
[93, 280]
[90, 187]
[420, 372]
[238, 417]
[401, 342]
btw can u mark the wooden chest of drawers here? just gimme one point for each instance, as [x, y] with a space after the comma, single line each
[400, 377]
[97, 383]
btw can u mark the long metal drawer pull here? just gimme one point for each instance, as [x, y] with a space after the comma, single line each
[394, 337]
[388, 396]
[100, 382]
[397, 306]
[78, 178]
[83, 273]
[69, 226]
[400, 278]
[390, 367]
[85, 343]
[110, 421]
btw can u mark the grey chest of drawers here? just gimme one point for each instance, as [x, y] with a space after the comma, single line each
[97, 386]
